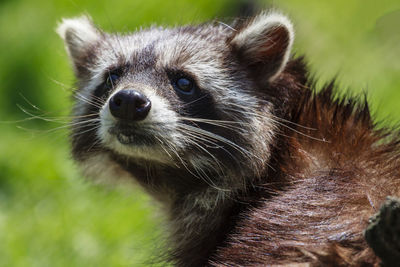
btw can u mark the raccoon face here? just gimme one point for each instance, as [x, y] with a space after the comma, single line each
[192, 96]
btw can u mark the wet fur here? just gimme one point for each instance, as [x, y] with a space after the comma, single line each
[305, 170]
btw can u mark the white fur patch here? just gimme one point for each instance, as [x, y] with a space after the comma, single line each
[81, 27]
[252, 36]
[78, 34]
[262, 22]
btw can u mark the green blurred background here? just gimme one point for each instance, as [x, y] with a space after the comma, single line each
[49, 214]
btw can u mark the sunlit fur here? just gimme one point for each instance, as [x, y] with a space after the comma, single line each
[257, 168]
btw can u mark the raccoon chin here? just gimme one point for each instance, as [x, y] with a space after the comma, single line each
[134, 146]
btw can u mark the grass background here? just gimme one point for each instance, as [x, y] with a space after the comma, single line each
[50, 215]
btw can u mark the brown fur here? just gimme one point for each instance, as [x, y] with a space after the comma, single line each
[314, 168]
[335, 169]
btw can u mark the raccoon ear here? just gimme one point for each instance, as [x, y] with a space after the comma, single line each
[263, 45]
[79, 35]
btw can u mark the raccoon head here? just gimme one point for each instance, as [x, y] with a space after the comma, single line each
[193, 100]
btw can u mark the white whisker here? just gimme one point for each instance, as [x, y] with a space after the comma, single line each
[216, 137]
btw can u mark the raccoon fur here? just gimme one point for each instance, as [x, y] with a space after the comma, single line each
[224, 127]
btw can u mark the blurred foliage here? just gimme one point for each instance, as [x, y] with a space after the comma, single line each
[49, 215]
[356, 41]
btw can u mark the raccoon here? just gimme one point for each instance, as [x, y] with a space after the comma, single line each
[223, 126]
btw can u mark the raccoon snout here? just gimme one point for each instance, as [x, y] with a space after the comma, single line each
[129, 105]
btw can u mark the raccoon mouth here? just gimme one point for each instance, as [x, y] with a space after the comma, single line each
[132, 136]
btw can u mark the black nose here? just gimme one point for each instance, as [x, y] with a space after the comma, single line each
[129, 105]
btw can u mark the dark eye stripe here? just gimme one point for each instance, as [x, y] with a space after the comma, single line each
[112, 80]
[185, 85]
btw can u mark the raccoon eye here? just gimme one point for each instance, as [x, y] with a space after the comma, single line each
[112, 80]
[184, 85]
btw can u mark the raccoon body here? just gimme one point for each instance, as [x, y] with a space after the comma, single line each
[224, 128]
